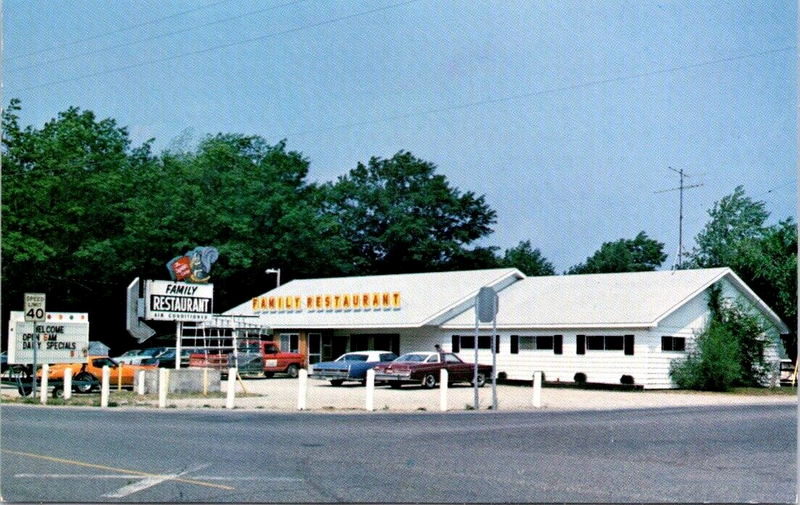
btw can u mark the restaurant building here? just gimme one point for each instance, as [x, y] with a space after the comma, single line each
[603, 326]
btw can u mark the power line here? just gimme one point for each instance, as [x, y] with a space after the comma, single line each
[221, 46]
[544, 91]
[119, 30]
[155, 37]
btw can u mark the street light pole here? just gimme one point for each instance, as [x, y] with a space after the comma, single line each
[275, 271]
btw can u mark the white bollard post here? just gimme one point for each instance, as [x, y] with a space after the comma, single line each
[443, 378]
[163, 387]
[370, 390]
[231, 388]
[45, 372]
[302, 389]
[537, 389]
[67, 383]
[105, 387]
[140, 383]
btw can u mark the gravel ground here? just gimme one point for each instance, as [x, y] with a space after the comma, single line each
[280, 394]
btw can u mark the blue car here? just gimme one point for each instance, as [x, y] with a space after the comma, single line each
[351, 366]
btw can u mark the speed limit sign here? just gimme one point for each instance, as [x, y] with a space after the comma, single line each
[34, 307]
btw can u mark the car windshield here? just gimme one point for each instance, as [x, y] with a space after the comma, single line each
[412, 357]
[128, 354]
[352, 357]
[151, 352]
[167, 354]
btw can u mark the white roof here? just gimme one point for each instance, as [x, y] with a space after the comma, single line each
[426, 299]
[620, 300]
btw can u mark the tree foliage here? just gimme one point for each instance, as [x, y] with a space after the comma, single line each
[528, 260]
[399, 215]
[84, 212]
[625, 255]
[730, 352]
[764, 256]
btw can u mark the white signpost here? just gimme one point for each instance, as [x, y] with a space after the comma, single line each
[34, 310]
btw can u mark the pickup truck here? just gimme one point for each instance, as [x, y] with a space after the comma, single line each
[253, 356]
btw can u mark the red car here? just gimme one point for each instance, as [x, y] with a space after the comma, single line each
[425, 368]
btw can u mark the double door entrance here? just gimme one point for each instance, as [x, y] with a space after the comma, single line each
[327, 347]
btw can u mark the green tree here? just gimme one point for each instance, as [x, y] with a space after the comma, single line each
[64, 189]
[528, 260]
[736, 220]
[764, 256]
[637, 255]
[730, 352]
[247, 198]
[399, 215]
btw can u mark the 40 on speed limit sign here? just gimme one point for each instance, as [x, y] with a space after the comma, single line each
[34, 307]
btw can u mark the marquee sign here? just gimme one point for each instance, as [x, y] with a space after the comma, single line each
[62, 337]
[178, 301]
[328, 302]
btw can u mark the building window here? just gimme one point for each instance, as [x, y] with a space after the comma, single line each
[289, 342]
[537, 343]
[673, 343]
[461, 342]
[605, 342]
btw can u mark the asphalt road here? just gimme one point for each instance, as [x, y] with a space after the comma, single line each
[715, 454]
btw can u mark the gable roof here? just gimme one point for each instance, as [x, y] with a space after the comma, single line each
[620, 300]
[426, 299]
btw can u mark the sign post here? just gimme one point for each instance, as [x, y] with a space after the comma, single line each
[486, 305]
[34, 311]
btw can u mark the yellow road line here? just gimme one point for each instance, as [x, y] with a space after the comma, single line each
[113, 469]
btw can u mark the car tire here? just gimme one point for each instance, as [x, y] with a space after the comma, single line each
[429, 381]
[337, 382]
[58, 392]
[481, 380]
[86, 377]
[395, 385]
[293, 371]
[269, 375]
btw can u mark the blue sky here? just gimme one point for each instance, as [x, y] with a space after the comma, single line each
[566, 115]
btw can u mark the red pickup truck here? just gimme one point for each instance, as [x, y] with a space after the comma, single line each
[253, 356]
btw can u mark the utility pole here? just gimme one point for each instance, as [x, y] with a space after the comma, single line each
[680, 210]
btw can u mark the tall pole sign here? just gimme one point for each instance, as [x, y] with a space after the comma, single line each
[486, 305]
[34, 312]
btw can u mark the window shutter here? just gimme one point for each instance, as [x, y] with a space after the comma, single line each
[514, 344]
[580, 341]
[456, 343]
[629, 345]
[558, 342]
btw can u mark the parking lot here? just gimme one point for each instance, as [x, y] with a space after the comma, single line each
[281, 394]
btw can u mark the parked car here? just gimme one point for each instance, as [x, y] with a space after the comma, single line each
[86, 375]
[351, 366]
[140, 356]
[424, 368]
[167, 358]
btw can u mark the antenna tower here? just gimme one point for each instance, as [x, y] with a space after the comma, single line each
[680, 211]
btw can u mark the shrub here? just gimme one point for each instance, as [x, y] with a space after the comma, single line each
[730, 352]
[714, 363]
[580, 378]
[627, 380]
